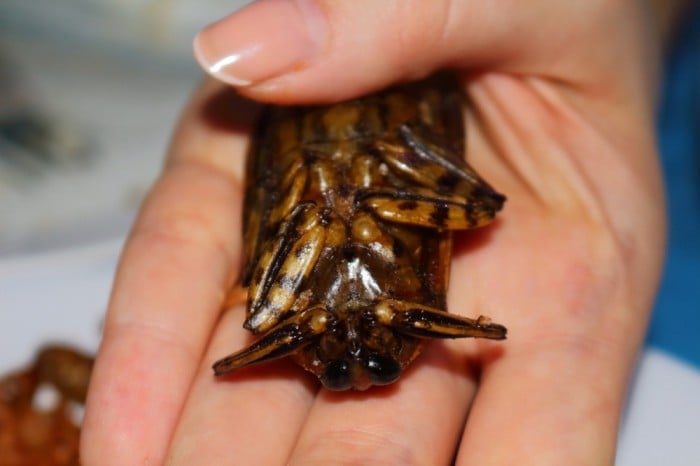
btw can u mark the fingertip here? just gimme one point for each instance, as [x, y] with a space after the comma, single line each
[316, 51]
[263, 40]
[213, 64]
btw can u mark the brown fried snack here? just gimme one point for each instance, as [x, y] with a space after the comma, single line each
[31, 434]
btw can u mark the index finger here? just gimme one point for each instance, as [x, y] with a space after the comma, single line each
[179, 261]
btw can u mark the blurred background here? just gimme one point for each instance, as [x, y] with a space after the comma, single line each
[89, 93]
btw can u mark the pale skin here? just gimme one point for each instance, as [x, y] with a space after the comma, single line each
[560, 120]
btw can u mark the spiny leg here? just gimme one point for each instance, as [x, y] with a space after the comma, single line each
[415, 153]
[426, 322]
[425, 208]
[449, 194]
[285, 338]
[282, 267]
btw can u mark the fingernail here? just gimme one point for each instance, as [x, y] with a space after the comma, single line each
[263, 40]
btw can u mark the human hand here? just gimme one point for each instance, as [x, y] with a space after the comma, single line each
[560, 120]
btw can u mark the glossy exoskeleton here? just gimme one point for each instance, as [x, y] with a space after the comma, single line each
[348, 218]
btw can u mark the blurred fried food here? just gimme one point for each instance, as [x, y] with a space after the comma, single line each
[40, 407]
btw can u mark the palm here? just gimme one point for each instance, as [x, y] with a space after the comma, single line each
[559, 268]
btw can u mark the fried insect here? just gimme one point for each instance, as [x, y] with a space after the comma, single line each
[348, 220]
[31, 434]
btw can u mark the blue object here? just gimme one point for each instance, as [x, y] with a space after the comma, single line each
[675, 325]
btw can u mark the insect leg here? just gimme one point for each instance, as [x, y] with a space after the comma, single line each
[283, 265]
[292, 186]
[280, 341]
[425, 208]
[414, 153]
[261, 219]
[426, 322]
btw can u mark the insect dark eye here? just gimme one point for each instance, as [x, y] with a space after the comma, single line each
[382, 370]
[337, 376]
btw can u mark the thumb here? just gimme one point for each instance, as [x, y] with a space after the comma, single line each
[322, 50]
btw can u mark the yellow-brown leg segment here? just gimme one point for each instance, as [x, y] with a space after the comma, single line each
[448, 195]
[258, 218]
[293, 186]
[280, 341]
[425, 322]
[283, 266]
[413, 154]
[425, 208]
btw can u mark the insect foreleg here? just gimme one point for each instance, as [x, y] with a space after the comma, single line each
[283, 266]
[282, 340]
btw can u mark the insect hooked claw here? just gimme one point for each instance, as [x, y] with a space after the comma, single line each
[280, 341]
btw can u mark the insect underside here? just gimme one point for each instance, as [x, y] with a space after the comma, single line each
[348, 218]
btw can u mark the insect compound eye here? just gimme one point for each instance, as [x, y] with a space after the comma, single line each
[337, 376]
[382, 370]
